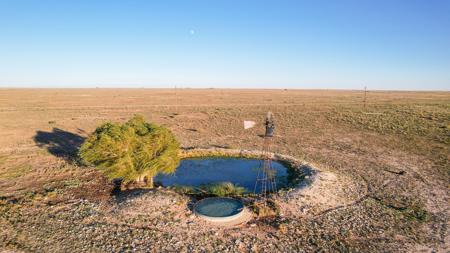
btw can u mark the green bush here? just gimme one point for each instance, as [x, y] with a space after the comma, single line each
[223, 189]
[184, 189]
[135, 151]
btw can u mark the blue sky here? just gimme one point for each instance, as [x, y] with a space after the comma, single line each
[401, 44]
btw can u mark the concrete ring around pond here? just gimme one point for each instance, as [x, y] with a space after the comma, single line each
[221, 210]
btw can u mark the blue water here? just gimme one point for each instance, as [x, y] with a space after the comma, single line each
[219, 207]
[239, 171]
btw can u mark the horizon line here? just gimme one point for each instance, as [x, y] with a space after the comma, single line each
[222, 88]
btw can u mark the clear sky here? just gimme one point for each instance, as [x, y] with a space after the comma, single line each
[384, 44]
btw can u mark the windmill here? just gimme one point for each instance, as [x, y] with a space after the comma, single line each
[265, 179]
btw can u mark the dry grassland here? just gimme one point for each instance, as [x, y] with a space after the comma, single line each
[394, 154]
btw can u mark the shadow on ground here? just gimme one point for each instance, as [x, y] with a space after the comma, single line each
[60, 143]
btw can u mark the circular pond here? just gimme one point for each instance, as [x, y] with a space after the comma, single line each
[239, 171]
[219, 209]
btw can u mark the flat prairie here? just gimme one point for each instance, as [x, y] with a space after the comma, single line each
[389, 158]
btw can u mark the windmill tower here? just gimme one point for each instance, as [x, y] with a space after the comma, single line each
[265, 179]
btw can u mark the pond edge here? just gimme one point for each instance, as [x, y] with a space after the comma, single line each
[291, 162]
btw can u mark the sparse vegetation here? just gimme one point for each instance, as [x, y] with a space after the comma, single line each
[184, 189]
[222, 189]
[417, 212]
[266, 208]
[135, 151]
[65, 205]
[406, 120]
[16, 172]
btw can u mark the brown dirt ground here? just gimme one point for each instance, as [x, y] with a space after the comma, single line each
[392, 157]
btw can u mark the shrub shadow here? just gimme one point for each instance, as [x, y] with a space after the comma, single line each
[60, 143]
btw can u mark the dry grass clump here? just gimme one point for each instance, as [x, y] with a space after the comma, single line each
[265, 208]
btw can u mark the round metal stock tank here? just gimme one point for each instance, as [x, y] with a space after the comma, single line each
[219, 209]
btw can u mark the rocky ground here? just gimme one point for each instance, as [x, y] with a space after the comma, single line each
[383, 185]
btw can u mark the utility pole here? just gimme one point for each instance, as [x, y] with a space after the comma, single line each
[176, 100]
[365, 96]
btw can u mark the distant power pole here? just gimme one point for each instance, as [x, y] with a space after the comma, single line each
[365, 96]
[176, 100]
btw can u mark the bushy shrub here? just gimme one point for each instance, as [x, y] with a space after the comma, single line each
[223, 189]
[184, 189]
[135, 151]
